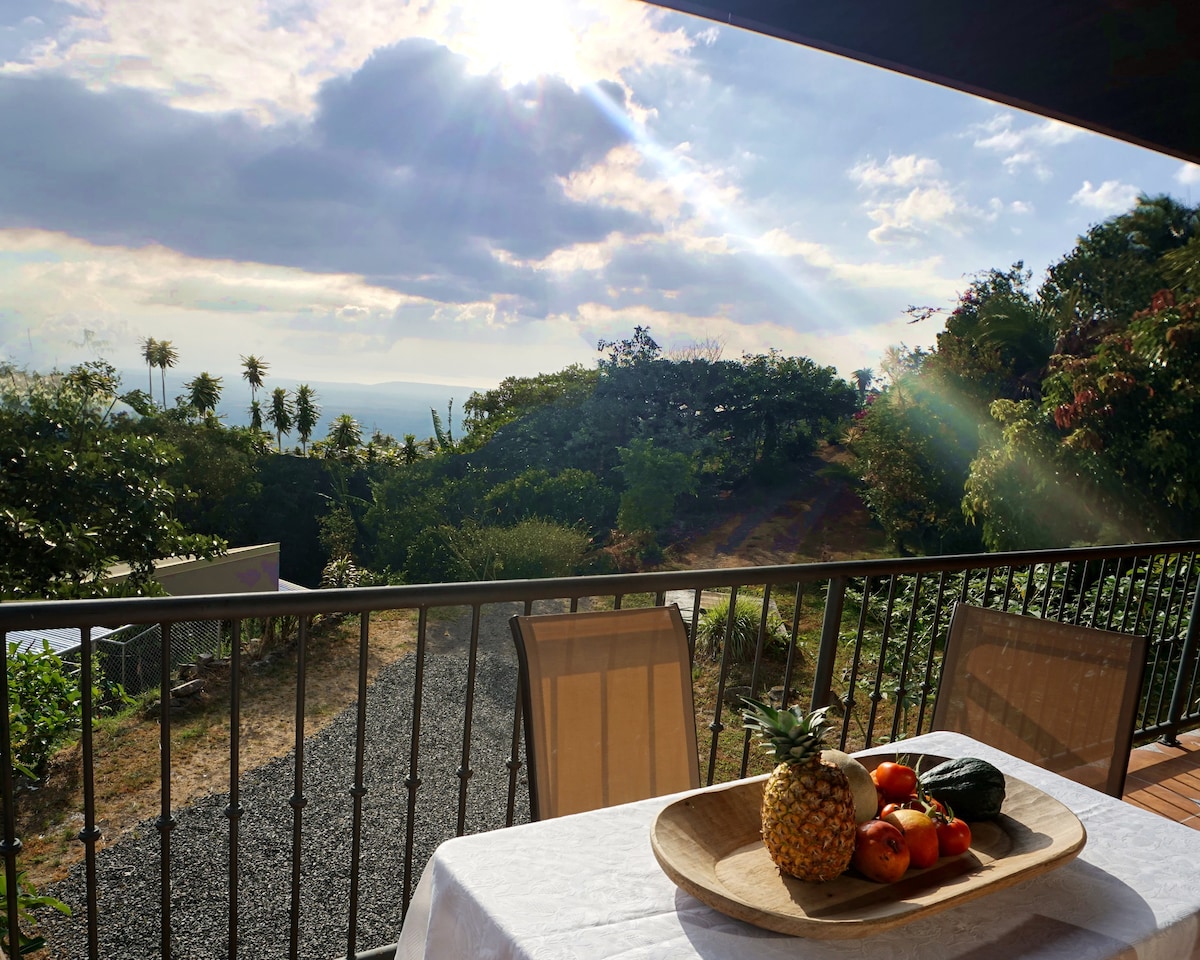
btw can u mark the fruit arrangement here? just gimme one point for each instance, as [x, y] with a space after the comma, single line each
[823, 812]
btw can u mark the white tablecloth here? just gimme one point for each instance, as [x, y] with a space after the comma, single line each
[588, 886]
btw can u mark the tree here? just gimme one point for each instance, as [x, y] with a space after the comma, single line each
[165, 355]
[204, 393]
[1115, 268]
[654, 480]
[515, 397]
[913, 448]
[307, 414]
[442, 440]
[863, 378]
[1131, 413]
[254, 369]
[344, 437]
[79, 495]
[279, 414]
[410, 453]
[623, 353]
[256, 415]
[150, 355]
[1026, 490]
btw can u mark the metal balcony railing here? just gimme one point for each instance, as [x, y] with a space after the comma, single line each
[438, 754]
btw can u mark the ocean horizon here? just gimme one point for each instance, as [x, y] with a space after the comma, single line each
[396, 407]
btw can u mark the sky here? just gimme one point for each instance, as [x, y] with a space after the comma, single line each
[364, 191]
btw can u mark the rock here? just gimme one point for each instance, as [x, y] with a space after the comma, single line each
[188, 671]
[775, 696]
[733, 697]
[189, 689]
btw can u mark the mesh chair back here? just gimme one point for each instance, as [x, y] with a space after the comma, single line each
[1056, 694]
[607, 706]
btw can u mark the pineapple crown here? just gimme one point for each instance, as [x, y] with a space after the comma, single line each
[792, 735]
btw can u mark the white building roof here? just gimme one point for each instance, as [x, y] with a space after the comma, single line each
[61, 640]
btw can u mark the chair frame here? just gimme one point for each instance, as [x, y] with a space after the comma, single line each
[1124, 647]
[539, 773]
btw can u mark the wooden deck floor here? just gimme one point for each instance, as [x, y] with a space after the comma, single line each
[1166, 780]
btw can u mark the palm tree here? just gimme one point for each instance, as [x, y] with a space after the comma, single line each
[256, 415]
[254, 369]
[165, 355]
[307, 414]
[150, 355]
[280, 415]
[409, 452]
[863, 378]
[204, 393]
[345, 434]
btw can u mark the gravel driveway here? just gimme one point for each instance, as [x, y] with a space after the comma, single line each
[128, 872]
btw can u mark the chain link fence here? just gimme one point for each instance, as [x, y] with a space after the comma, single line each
[132, 657]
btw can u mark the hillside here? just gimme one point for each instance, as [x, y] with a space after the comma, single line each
[818, 515]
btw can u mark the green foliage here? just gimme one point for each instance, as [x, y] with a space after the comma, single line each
[516, 397]
[341, 572]
[570, 497]
[1115, 269]
[1056, 418]
[308, 412]
[654, 479]
[1129, 415]
[913, 448]
[45, 705]
[28, 900]
[78, 494]
[281, 414]
[204, 393]
[714, 626]
[1023, 488]
[531, 549]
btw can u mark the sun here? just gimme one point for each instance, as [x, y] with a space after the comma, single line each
[521, 40]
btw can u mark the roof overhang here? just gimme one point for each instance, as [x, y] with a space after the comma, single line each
[1126, 68]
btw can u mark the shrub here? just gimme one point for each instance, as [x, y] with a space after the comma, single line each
[743, 636]
[28, 900]
[531, 549]
[45, 707]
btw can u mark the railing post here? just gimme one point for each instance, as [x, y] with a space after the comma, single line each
[835, 601]
[1187, 663]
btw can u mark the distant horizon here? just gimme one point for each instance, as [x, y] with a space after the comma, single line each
[395, 407]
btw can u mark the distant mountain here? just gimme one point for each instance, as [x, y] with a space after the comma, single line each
[397, 407]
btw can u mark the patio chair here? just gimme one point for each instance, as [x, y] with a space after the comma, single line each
[606, 699]
[1056, 694]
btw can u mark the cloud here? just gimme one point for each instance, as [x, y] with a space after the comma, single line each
[1111, 196]
[907, 218]
[1188, 174]
[908, 198]
[411, 173]
[895, 171]
[271, 60]
[1023, 147]
[57, 286]
[910, 276]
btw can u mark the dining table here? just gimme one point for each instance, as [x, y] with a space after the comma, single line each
[589, 886]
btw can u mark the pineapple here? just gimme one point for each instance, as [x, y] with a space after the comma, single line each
[808, 816]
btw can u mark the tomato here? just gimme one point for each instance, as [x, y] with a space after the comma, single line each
[954, 836]
[908, 803]
[937, 806]
[896, 781]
